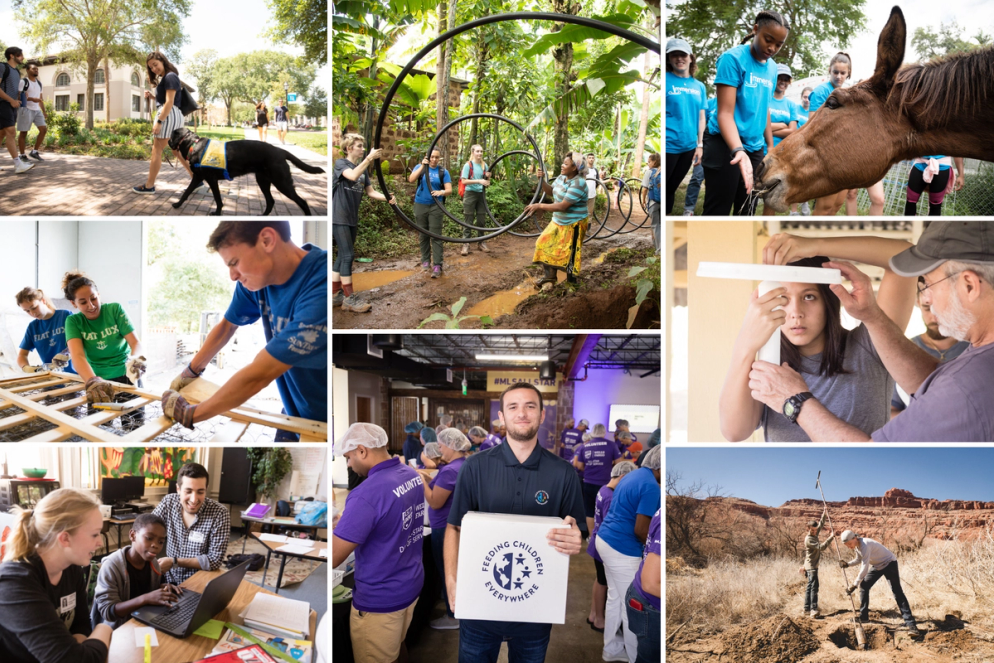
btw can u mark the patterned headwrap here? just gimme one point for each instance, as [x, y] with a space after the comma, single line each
[579, 162]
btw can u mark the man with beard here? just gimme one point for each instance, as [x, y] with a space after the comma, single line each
[943, 348]
[516, 477]
[951, 402]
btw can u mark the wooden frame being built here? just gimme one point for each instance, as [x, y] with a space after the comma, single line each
[238, 419]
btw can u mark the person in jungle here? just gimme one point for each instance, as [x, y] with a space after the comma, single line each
[560, 244]
[475, 176]
[812, 555]
[427, 214]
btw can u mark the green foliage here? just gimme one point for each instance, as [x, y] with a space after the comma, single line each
[977, 194]
[203, 67]
[304, 23]
[714, 26]
[452, 321]
[317, 103]
[65, 123]
[270, 465]
[930, 43]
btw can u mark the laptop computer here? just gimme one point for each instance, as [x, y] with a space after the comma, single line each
[193, 609]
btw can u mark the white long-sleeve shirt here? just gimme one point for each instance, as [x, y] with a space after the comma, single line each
[870, 553]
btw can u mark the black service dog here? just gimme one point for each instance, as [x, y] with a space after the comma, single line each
[267, 162]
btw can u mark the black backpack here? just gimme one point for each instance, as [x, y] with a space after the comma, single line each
[186, 104]
[255, 561]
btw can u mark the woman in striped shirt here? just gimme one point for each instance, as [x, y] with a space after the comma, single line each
[559, 245]
[168, 117]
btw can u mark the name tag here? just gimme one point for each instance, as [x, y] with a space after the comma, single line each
[197, 537]
[67, 603]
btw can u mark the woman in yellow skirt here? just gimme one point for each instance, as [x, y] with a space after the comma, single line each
[559, 245]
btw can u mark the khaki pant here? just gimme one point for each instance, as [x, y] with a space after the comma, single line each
[377, 636]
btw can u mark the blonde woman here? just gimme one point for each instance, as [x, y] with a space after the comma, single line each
[43, 613]
[46, 334]
[474, 203]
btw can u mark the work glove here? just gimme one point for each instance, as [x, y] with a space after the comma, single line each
[852, 588]
[60, 360]
[186, 377]
[134, 368]
[32, 369]
[177, 408]
[843, 564]
[99, 390]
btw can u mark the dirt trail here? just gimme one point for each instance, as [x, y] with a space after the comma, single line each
[499, 283]
[794, 639]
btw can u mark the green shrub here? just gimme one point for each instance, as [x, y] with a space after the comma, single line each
[977, 194]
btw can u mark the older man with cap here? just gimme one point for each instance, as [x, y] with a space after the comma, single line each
[383, 522]
[951, 402]
[496, 437]
[875, 561]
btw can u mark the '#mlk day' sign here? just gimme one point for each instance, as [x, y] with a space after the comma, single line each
[508, 571]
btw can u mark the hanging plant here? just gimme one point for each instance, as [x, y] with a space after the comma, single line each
[270, 465]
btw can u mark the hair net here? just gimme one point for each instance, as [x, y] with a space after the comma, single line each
[623, 435]
[496, 423]
[370, 436]
[428, 435]
[445, 420]
[476, 431]
[600, 430]
[413, 427]
[454, 439]
[653, 440]
[586, 437]
[432, 450]
[623, 468]
[653, 458]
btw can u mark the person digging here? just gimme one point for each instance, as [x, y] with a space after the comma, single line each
[812, 555]
[876, 561]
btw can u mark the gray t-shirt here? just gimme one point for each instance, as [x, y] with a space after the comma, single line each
[954, 404]
[346, 194]
[860, 397]
[955, 351]
[13, 83]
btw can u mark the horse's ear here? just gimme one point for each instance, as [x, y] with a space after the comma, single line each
[890, 50]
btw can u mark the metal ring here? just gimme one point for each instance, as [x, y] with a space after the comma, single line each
[445, 36]
[494, 164]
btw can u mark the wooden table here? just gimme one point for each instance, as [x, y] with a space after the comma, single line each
[193, 647]
[271, 549]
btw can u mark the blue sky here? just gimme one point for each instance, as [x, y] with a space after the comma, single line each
[771, 476]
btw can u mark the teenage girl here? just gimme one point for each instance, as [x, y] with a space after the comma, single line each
[802, 119]
[934, 172]
[686, 101]
[46, 334]
[783, 111]
[740, 129]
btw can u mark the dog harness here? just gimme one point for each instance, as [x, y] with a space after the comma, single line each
[214, 155]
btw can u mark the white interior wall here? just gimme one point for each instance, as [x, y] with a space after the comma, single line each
[19, 261]
[592, 398]
[112, 254]
[58, 243]
[339, 421]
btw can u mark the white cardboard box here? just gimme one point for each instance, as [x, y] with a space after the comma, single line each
[508, 571]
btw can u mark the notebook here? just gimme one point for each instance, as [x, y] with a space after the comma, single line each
[280, 615]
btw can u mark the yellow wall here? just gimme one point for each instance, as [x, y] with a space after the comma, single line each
[716, 309]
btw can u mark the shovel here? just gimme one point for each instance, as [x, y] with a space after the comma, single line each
[860, 635]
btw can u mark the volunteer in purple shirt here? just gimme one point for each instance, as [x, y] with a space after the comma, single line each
[621, 426]
[496, 437]
[956, 261]
[642, 599]
[570, 438]
[477, 436]
[620, 540]
[438, 493]
[604, 495]
[383, 522]
[596, 459]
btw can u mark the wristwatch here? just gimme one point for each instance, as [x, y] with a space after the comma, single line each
[175, 562]
[792, 406]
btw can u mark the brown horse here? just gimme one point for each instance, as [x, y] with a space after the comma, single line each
[945, 106]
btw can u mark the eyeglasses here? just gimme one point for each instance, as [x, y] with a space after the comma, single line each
[922, 286]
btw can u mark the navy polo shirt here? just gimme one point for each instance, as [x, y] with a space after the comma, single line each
[493, 481]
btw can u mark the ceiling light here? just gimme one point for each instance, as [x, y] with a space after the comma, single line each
[536, 358]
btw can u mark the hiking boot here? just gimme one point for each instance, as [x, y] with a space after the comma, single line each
[465, 250]
[426, 265]
[815, 614]
[914, 632]
[483, 247]
[436, 271]
[338, 298]
[444, 623]
[143, 189]
[355, 305]
[22, 167]
[34, 155]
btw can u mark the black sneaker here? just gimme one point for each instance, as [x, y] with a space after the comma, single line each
[143, 189]
[24, 158]
[34, 155]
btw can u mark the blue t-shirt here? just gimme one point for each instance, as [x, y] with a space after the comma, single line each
[685, 99]
[819, 95]
[295, 319]
[754, 83]
[422, 195]
[48, 337]
[942, 166]
[782, 110]
[637, 493]
[712, 108]
[802, 115]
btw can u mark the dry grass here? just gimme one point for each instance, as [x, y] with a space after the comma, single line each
[944, 577]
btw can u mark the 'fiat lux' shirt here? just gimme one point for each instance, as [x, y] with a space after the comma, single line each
[384, 516]
[295, 320]
[652, 545]
[206, 539]
[103, 339]
[493, 481]
[598, 457]
[346, 194]
[38, 619]
[48, 337]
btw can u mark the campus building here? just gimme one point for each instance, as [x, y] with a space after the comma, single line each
[117, 92]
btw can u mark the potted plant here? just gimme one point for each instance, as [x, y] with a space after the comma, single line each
[270, 465]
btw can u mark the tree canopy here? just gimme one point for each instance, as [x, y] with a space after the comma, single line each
[304, 23]
[930, 43]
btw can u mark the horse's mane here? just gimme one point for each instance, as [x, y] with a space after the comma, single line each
[960, 85]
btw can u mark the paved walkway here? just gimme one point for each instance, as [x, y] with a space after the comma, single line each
[70, 185]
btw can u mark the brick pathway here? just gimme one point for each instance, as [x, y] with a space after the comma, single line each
[70, 185]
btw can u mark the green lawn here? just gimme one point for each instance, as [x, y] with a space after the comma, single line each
[315, 141]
